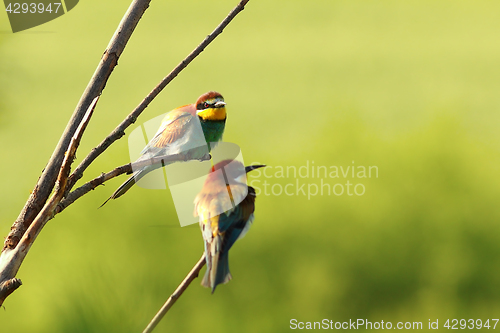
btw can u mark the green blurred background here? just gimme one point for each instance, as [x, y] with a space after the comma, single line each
[410, 87]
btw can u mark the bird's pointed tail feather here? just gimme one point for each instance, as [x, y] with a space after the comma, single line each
[134, 178]
[217, 271]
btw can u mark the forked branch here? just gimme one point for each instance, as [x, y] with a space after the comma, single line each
[46, 182]
[10, 261]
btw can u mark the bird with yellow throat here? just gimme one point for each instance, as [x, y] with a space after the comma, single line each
[179, 132]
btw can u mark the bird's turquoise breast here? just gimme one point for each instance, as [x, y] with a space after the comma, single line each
[213, 130]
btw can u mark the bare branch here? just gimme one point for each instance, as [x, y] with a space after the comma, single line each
[119, 131]
[8, 287]
[193, 274]
[11, 260]
[47, 180]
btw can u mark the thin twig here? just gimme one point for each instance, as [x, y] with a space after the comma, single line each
[193, 274]
[46, 182]
[119, 131]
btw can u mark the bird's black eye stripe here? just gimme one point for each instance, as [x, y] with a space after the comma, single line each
[202, 106]
[206, 105]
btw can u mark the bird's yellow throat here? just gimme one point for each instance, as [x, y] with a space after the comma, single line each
[213, 114]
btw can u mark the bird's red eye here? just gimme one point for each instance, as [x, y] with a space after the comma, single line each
[205, 105]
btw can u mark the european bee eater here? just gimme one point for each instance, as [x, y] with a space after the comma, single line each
[225, 207]
[178, 132]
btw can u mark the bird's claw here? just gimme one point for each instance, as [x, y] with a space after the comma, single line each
[206, 157]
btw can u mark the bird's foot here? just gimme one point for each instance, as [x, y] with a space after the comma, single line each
[206, 157]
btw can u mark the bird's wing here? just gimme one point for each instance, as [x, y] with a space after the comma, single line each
[236, 224]
[174, 126]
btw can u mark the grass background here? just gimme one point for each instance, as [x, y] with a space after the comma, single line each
[410, 87]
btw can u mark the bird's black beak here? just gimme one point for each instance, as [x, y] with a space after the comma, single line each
[253, 167]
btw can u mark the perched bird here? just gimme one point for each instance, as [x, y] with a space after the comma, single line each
[225, 207]
[179, 134]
